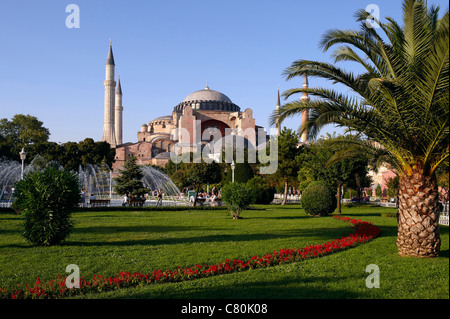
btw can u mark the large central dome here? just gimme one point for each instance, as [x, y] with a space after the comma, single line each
[207, 95]
[208, 99]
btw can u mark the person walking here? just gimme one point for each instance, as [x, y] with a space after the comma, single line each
[159, 196]
[125, 200]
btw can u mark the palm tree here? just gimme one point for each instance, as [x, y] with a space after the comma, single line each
[400, 106]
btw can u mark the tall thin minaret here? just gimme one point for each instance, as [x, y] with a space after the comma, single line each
[278, 124]
[110, 85]
[305, 113]
[118, 113]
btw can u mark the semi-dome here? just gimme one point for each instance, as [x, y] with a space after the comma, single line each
[208, 99]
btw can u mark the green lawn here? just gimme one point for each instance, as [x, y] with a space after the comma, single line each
[106, 243]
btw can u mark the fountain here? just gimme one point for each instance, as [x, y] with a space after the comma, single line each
[9, 174]
[155, 179]
[95, 181]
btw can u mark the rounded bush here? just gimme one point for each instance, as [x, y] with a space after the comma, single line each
[46, 200]
[318, 199]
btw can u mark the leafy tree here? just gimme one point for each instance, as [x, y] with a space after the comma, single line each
[288, 164]
[401, 106]
[237, 196]
[198, 174]
[264, 193]
[46, 199]
[243, 172]
[26, 131]
[71, 157]
[323, 162]
[172, 167]
[378, 191]
[392, 185]
[21, 132]
[442, 174]
[129, 180]
[179, 178]
[71, 154]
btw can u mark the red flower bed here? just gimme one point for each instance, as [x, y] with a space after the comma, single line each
[364, 232]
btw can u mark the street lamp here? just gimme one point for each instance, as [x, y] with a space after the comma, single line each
[23, 156]
[110, 184]
[233, 166]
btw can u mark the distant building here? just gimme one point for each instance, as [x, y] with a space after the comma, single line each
[155, 139]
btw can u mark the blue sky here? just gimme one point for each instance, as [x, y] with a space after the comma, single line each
[163, 50]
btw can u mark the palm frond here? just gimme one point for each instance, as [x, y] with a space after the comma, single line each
[402, 97]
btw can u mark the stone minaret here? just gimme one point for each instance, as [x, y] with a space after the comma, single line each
[110, 85]
[278, 124]
[305, 113]
[118, 114]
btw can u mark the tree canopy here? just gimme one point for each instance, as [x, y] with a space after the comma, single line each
[22, 131]
[129, 180]
[399, 103]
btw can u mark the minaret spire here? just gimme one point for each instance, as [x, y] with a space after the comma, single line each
[305, 113]
[118, 113]
[110, 58]
[278, 109]
[119, 87]
[109, 109]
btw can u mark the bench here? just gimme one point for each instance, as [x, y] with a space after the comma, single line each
[136, 202]
[99, 202]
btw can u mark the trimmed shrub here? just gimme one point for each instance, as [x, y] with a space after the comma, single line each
[264, 193]
[237, 196]
[318, 199]
[46, 200]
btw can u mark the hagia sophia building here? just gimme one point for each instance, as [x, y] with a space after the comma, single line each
[156, 140]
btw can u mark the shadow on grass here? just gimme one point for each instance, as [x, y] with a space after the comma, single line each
[279, 217]
[283, 288]
[321, 235]
[144, 229]
[291, 206]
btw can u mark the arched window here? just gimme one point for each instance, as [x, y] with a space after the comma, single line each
[162, 145]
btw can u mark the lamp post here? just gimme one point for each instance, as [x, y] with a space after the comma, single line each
[23, 156]
[110, 184]
[233, 166]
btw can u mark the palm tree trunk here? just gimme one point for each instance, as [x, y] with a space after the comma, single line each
[338, 198]
[418, 220]
[358, 185]
[285, 191]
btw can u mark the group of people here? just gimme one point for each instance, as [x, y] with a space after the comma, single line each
[214, 196]
[203, 196]
[158, 194]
